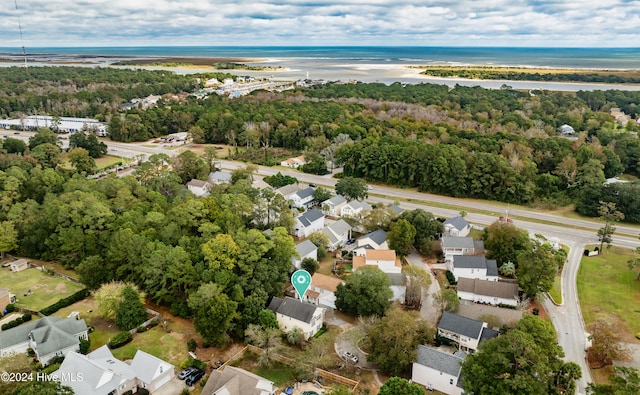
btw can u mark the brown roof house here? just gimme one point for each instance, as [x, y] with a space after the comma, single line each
[236, 381]
[322, 290]
[488, 292]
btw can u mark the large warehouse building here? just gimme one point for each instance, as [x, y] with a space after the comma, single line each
[64, 124]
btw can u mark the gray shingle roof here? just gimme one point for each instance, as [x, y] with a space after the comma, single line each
[220, 176]
[50, 333]
[461, 325]
[333, 239]
[356, 204]
[439, 360]
[310, 216]
[305, 248]
[238, 382]
[305, 193]
[397, 209]
[496, 289]
[293, 308]
[488, 334]
[336, 200]
[492, 268]
[470, 262]
[457, 242]
[457, 222]
[147, 367]
[340, 227]
[378, 236]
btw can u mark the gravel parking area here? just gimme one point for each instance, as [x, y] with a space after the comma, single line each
[475, 311]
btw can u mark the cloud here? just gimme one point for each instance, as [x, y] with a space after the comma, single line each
[322, 22]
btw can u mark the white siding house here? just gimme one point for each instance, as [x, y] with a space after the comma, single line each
[453, 246]
[302, 198]
[354, 207]
[306, 249]
[438, 370]
[323, 290]
[465, 332]
[309, 222]
[334, 206]
[474, 266]
[456, 227]
[385, 260]
[198, 187]
[292, 313]
[338, 233]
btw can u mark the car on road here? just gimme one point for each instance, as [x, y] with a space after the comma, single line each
[351, 240]
[312, 185]
[370, 188]
[349, 357]
[186, 372]
[194, 377]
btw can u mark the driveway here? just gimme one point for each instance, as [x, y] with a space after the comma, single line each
[428, 311]
[173, 387]
[348, 341]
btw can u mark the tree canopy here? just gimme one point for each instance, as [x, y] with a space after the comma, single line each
[352, 188]
[400, 386]
[365, 292]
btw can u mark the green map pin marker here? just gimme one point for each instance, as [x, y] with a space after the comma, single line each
[301, 280]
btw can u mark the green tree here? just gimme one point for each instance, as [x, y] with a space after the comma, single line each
[221, 252]
[634, 263]
[48, 155]
[365, 292]
[8, 237]
[267, 319]
[505, 241]
[401, 237]
[110, 297]
[81, 160]
[447, 300]
[339, 390]
[320, 240]
[188, 166]
[213, 313]
[428, 228]
[93, 272]
[316, 164]
[42, 387]
[352, 188]
[393, 340]
[196, 134]
[279, 180]
[608, 213]
[295, 336]
[245, 173]
[310, 265]
[537, 269]
[400, 386]
[43, 136]
[268, 339]
[321, 194]
[14, 146]
[624, 381]
[90, 142]
[131, 311]
[508, 269]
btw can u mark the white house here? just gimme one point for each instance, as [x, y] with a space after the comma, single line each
[288, 190]
[338, 233]
[48, 337]
[292, 313]
[322, 290]
[376, 240]
[488, 292]
[334, 206]
[354, 207]
[306, 249]
[198, 187]
[19, 265]
[219, 177]
[302, 198]
[474, 266]
[309, 222]
[465, 332]
[438, 370]
[294, 163]
[236, 381]
[566, 129]
[398, 286]
[452, 246]
[100, 373]
[456, 227]
[385, 260]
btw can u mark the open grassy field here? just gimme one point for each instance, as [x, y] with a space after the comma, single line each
[46, 289]
[101, 162]
[556, 291]
[607, 288]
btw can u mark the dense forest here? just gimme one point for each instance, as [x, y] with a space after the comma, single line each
[464, 141]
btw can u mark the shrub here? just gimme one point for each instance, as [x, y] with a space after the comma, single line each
[191, 345]
[26, 317]
[10, 308]
[153, 324]
[84, 346]
[451, 278]
[120, 339]
[64, 302]
[638, 335]
[141, 329]
[321, 331]
[536, 311]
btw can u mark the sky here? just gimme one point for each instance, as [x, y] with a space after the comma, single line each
[510, 23]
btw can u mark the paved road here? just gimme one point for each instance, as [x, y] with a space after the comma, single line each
[428, 311]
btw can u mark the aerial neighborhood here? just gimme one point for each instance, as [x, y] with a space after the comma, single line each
[150, 239]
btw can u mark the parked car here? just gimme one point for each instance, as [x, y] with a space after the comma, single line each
[312, 185]
[351, 240]
[349, 357]
[194, 377]
[186, 372]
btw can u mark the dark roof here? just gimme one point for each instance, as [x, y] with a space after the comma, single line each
[478, 245]
[305, 248]
[470, 262]
[457, 242]
[492, 268]
[488, 334]
[439, 360]
[293, 308]
[310, 216]
[461, 325]
[305, 193]
[457, 222]
[378, 236]
[496, 289]
[397, 209]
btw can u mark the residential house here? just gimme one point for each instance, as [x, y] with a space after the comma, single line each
[465, 332]
[302, 198]
[354, 207]
[338, 233]
[438, 370]
[198, 187]
[288, 190]
[334, 206]
[292, 313]
[385, 260]
[309, 222]
[474, 266]
[566, 129]
[452, 246]
[488, 292]
[6, 298]
[396, 209]
[19, 265]
[322, 290]
[236, 381]
[398, 286]
[306, 249]
[48, 337]
[294, 163]
[151, 372]
[376, 240]
[219, 177]
[456, 227]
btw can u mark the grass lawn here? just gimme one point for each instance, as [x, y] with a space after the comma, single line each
[46, 289]
[101, 162]
[607, 287]
[556, 291]
[326, 265]
[280, 374]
